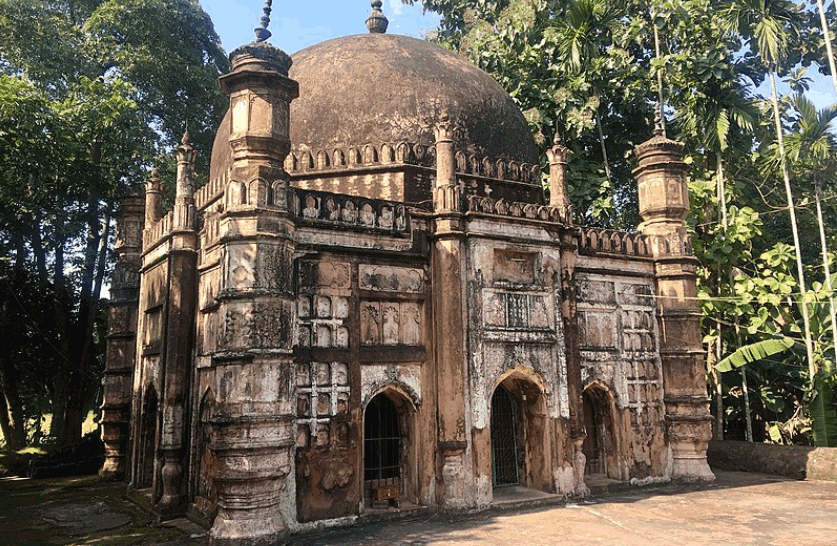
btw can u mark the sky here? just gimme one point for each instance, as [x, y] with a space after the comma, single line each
[297, 24]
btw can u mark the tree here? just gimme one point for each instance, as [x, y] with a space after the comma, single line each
[597, 78]
[810, 148]
[101, 94]
[766, 25]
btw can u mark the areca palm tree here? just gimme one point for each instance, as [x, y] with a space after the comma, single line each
[810, 148]
[827, 37]
[767, 26]
[812, 144]
[715, 112]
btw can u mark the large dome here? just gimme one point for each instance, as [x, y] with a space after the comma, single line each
[386, 88]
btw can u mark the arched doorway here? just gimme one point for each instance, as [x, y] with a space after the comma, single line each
[148, 439]
[521, 444]
[505, 438]
[383, 448]
[598, 446]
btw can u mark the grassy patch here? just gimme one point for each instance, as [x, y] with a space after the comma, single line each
[15, 463]
[91, 423]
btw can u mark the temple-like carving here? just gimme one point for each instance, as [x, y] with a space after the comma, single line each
[371, 304]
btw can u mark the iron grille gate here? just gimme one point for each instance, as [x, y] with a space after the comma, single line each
[504, 438]
[382, 440]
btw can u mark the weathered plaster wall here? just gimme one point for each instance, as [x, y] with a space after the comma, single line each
[361, 324]
[516, 338]
[620, 355]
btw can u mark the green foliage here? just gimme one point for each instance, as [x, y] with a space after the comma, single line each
[92, 94]
[588, 69]
[753, 353]
[823, 412]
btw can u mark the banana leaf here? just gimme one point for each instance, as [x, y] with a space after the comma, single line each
[824, 412]
[753, 352]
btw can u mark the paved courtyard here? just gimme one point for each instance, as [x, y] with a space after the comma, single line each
[740, 509]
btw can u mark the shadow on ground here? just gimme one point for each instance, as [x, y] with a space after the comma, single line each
[83, 511]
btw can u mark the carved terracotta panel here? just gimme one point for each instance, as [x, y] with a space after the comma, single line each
[591, 291]
[341, 307]
[410, 324]
[370, 323]
[515, 267]
[391, 279]
[538, 312]
[325, 274]
[390, 314]
[340, 372]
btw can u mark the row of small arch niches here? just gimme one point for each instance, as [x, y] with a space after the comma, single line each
[561, 215]
[620, 242]
[344, 209]
[362, 156]
[408, 153]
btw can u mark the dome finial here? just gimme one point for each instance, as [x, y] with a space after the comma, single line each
[377, 22]
[262, 33]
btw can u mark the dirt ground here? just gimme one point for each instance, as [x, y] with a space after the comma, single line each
[739, 509]
[82, 510]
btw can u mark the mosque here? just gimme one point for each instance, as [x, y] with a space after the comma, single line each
[371, 307]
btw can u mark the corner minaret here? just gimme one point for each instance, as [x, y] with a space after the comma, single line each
[251, 427]
[153, 199]
[448, 262]
[663, 206]
[260, 96]
[122, 337]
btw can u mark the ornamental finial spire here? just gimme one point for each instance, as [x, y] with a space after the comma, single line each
[558, 139]
[377, 22]
[262, 33]
[659, 127]
[186, 137]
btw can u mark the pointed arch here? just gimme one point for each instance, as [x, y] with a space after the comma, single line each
[390, 446]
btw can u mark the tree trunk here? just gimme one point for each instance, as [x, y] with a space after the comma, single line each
[5, 424]
[828, 49]
[716, 375]
[660, 98]
[712, 358]
[800, 269]
[827, 267]
[722, 194]
[80, 379]
[11, 406]
[604, 149]
[748, 420]
[14, 429]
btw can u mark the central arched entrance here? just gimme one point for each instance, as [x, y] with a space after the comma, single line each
[505, 441]
[521, 443]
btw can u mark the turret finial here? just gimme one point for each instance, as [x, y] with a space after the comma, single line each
[262, 33]
[659, 128]
[377, 22]
[558, 139]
